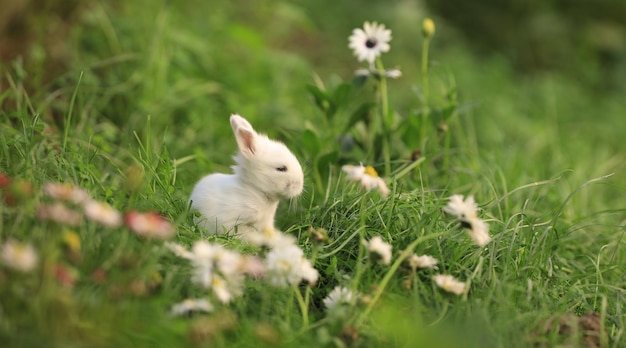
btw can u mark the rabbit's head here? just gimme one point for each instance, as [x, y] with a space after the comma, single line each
[265, 165]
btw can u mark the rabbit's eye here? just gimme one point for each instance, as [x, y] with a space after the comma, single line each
[282, 169]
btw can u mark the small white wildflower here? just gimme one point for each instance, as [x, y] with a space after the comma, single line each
[338, 296]
[179, 250]
[253, 266]
[59, 213]
[269, 237]
[67, 192]
[221, 289]
[307, 271]
[450, 284]
[191, 305]
[228, 262]
[286, 265]
[353, 172]
[202, 250]
[370, 182]
[201, 258]
[102, 213]
[465, 212]
[216, 268]
[367, 176]
[392, 74]
[19, 256]
[362, 72]
[378, 246]
[461, 209]
[423, 261]
[478, 231]
[369, 42]
[149, 225]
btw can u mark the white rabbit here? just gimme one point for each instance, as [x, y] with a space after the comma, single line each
[265, 172]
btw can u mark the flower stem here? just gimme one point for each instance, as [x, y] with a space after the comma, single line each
[425, 89]
[384, 115]
[304, 307]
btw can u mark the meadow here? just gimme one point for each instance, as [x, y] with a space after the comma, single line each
[99, 247]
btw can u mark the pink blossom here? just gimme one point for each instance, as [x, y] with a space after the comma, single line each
[149, 225]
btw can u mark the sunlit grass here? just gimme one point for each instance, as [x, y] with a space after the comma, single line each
[140, 122]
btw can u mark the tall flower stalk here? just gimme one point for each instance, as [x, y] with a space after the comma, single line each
[428, 31]
[384, 115]
[368, 44]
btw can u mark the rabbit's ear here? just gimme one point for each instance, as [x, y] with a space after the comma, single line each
[245, 135]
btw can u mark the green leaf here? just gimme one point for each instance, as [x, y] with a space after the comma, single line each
[341, 94]
[359, 80]
[310, 142]
[360, 114]
[321, 99]
[325, 161]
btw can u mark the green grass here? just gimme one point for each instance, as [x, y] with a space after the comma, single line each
[143, 115]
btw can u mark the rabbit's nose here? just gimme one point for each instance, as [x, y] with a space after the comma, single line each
[295, 187]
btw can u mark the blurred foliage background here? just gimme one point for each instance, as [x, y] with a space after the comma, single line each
[581, 38]
[586, 39]
[186, 66]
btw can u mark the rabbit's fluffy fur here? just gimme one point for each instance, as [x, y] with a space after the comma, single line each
[246, 201]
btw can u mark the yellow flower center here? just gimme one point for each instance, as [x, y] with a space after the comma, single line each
[269, 232]
[72, 240]
[369, 170]
[217, 282]
[21, 251]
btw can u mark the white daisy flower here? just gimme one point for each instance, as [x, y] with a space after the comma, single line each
[102, 213]
[253, 266]
[202, 250]
[223, 290]
[19, 256]
[201, 258]
[369, 42]
[354, 173]
[59, 213]
[269, 237]
[378, 246]
[286, 265]
[191, 305]
[450, 284]
[465, 212]
[478, 231]
[179, 250]
[367, 176]
[228, 262]
[215, 268]
[307, 271]
[461, 209]
[338, 296]
[392, 74]
[67, 192]
[149, 225]
[362, 72]
[423, 261]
